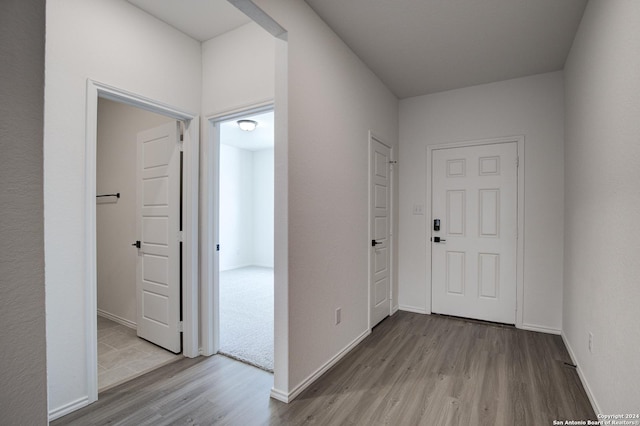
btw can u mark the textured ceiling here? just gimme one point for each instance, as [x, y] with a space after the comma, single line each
[418, 47]
[199, 19]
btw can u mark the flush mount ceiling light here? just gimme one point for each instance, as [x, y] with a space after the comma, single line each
[247, 125]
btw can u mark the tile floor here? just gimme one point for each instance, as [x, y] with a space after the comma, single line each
[122, 355]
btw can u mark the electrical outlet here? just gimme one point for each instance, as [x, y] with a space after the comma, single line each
[418, 209]
[338, 315]
[591, 342]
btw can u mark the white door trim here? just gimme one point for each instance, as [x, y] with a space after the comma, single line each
[520, 245]
[190, 201]
[210, 220]
[372, 137]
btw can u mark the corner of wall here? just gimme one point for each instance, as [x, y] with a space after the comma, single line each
[581, 375]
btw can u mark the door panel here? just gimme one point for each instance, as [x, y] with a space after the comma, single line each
[475, 197]
[488, 275]
[380, 214]
[489, 212]
[158, 227]
[456, 212]
[455, 272]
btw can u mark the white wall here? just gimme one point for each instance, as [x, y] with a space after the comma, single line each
[118, 126]
[246, 207]
[602, 204]
[238, 70]
[232, 80]
[263, 218]
[115, 43]
[236, 207]
[530, 106]
[23, 377]
[333, 101]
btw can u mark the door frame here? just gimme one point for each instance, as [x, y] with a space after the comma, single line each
[211, 224]
[374, 137]
[519, 140]
[190, 206]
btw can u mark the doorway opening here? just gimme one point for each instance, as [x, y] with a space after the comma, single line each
[155, 178]
[246, 238]
[127, 347]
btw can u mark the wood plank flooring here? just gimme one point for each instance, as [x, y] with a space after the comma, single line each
[412, 370]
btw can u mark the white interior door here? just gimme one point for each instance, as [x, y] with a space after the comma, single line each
[474, 264]
[380, 221]
[158, 229]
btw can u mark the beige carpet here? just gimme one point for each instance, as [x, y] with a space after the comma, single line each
[246, 315]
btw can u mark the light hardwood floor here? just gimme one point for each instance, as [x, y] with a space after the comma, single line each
[412, 370]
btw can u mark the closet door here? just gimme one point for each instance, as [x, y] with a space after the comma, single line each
[158, 229]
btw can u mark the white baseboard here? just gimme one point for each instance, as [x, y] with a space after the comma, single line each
[585, 384]
[234, 267]
[394, 309]
[541, 329]
[414, 309]
[263, 266]
[70, 407]
[279, 395]
[116, 318]
[288, 397]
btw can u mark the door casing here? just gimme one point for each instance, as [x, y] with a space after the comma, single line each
[211, 221]
[190, 206]
[520, 216]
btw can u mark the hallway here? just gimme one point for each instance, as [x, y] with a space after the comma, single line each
[413, 369]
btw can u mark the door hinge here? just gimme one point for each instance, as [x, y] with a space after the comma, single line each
[180, 327]
[217, 247]
[518, 161]
[180, 236]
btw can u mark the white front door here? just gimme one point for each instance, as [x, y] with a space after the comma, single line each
[158, 230]
[380, 222]
[474, 264]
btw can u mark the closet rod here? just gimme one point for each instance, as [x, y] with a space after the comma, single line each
[109, 195]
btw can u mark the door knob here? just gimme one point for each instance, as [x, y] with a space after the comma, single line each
[136, 244]
[438, 240]
[374, 243]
